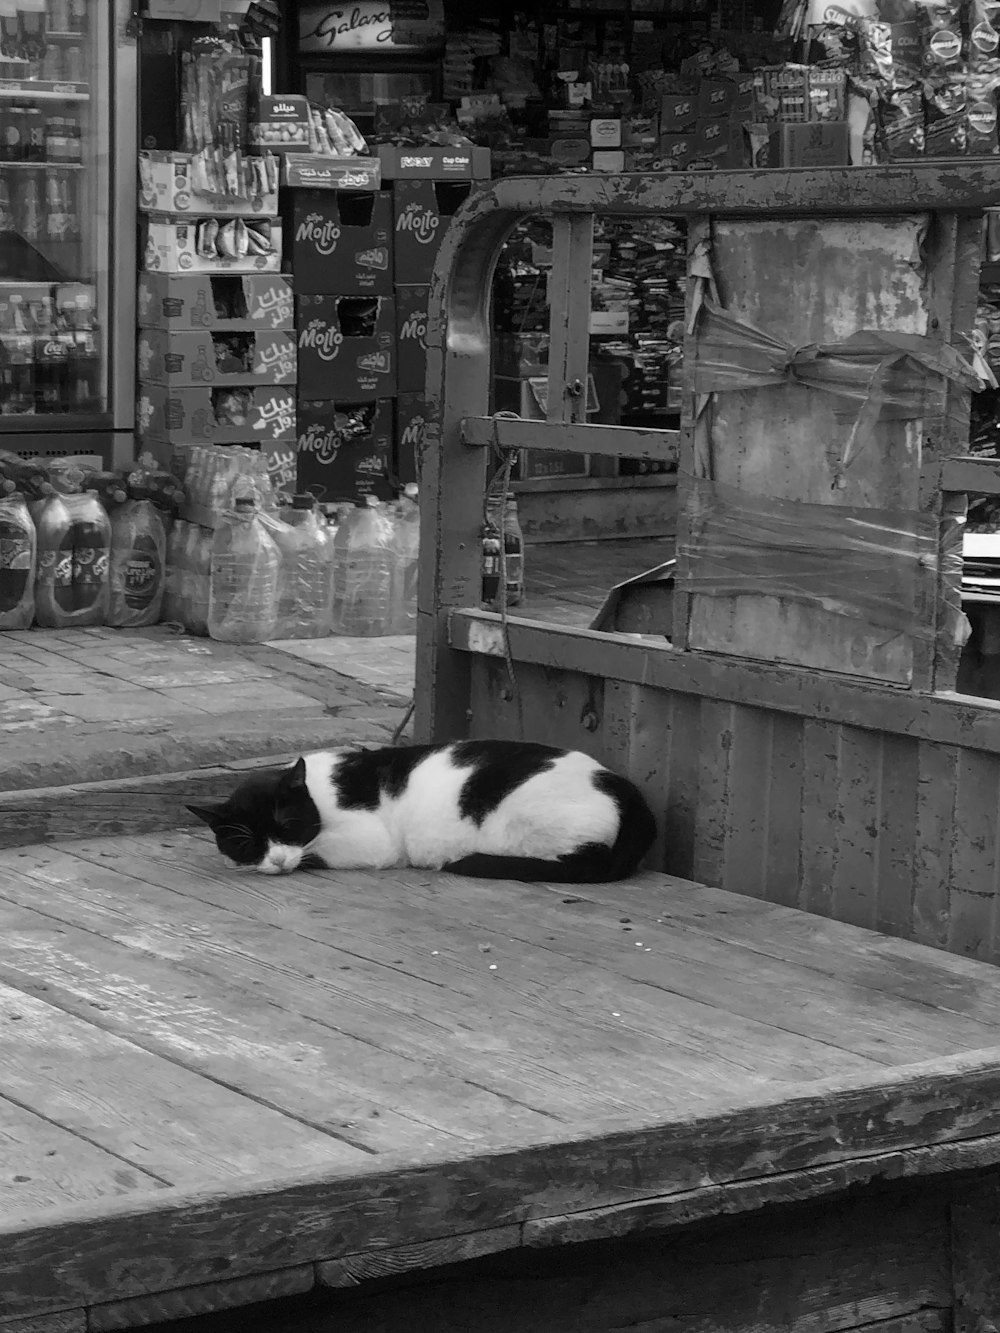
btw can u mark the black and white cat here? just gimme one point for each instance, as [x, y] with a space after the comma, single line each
[495, 809]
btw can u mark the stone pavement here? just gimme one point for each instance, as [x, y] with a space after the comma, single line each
[81, 706]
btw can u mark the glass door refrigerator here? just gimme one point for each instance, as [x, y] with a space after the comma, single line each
[67, 227]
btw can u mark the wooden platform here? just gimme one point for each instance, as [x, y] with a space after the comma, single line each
[219, 1088]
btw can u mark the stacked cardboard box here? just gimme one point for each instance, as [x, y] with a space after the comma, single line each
[345, 323]
[429, 185]
[216, 346]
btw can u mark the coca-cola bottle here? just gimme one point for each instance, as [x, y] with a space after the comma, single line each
[51, 372]
[17, 564]
[17, 375]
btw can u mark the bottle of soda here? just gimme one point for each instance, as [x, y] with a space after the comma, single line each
[17, 375]
[56, 220]
[7, 222]
[91, 558]
[138, 554]
[54, 577]
[30, 208]
[501, 516]
[18, 555]
[173, 610]
[51, 369]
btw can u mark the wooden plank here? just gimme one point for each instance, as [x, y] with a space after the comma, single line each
[980, 476]
[896, 852]
[949, 718]
[162, 1118]
[647, 753]
[315, 1219]
[975, 1229]
[103, 809]
[568, 294]
[605, 441]
[785, 790]
[543, 1067]
[45, 1167]
[202, 1299]
[714, 791]
[353, 1269]
[745, 845]
[973, 885]
[682, 764]
[297, 1065]
[854, 883]
[937, 782]
[63, 1321]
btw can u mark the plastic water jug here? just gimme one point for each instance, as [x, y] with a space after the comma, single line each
[305, 588]
[406, 555]
[362, 572]
[243, 587]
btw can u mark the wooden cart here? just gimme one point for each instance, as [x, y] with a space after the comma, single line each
[383, 1103]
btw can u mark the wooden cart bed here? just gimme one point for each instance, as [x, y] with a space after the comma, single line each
[219, 1088]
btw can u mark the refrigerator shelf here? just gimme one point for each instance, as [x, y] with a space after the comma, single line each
[75, 92]
[40, 166]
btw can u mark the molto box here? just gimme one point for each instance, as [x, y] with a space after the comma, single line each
[166, 186]
[342, 242]
[173, 302]
[412, 415]
[192, 415]
[337, 363]
[434, 164]
[411, 338]
[678, 112]
[282, 124]
[170, 247]
[421, 213]
[333, 465]
[180, 359]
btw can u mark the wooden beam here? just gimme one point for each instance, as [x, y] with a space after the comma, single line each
[569, 317]
[977, 476]
[953, 719]
[612, 441]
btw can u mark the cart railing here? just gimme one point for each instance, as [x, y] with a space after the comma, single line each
[717, 742]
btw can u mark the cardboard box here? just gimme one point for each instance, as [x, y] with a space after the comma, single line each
[282, 465]
[609, 159]
[715, 97]
[411, 338]
[342, 242]
[338, 364]
[677, 149]
[609, 323]
[606, 132]
[334, 465]
[719, 142]
[282, 124]
[310, 171]
[678, 112]
[434, 164]
[422, 210]
[180, 359]
[412, 414]
[192, 416]
[168, 301]
[815, 144]
[166, 185]
[170, 246]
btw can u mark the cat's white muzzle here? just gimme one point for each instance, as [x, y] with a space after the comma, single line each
[281, 860]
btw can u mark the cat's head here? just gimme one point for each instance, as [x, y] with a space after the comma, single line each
[268, 822]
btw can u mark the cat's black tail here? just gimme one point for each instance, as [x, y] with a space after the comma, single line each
[594, 862]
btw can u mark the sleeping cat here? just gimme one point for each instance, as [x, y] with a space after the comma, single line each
[494, 809]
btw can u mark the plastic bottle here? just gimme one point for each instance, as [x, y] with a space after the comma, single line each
[305, 590]
[174, 608]
[362, 573]
[406, 552]
[243, 588]
[196, 579]
[138, 556]
[74, 540]
[18, 557]
[502, 510]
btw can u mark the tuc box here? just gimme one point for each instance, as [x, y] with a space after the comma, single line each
[345, 450]
[342, 242]
[180, 359]
[411, 338]
[215, 415]
[677, 150]
[347, 348]
[678, 112]
[411, 424]
[422, 210]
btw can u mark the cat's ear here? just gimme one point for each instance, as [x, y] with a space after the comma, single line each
[296, 779]
[208, 814]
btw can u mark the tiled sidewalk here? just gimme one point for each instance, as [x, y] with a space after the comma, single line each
[88, 705]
